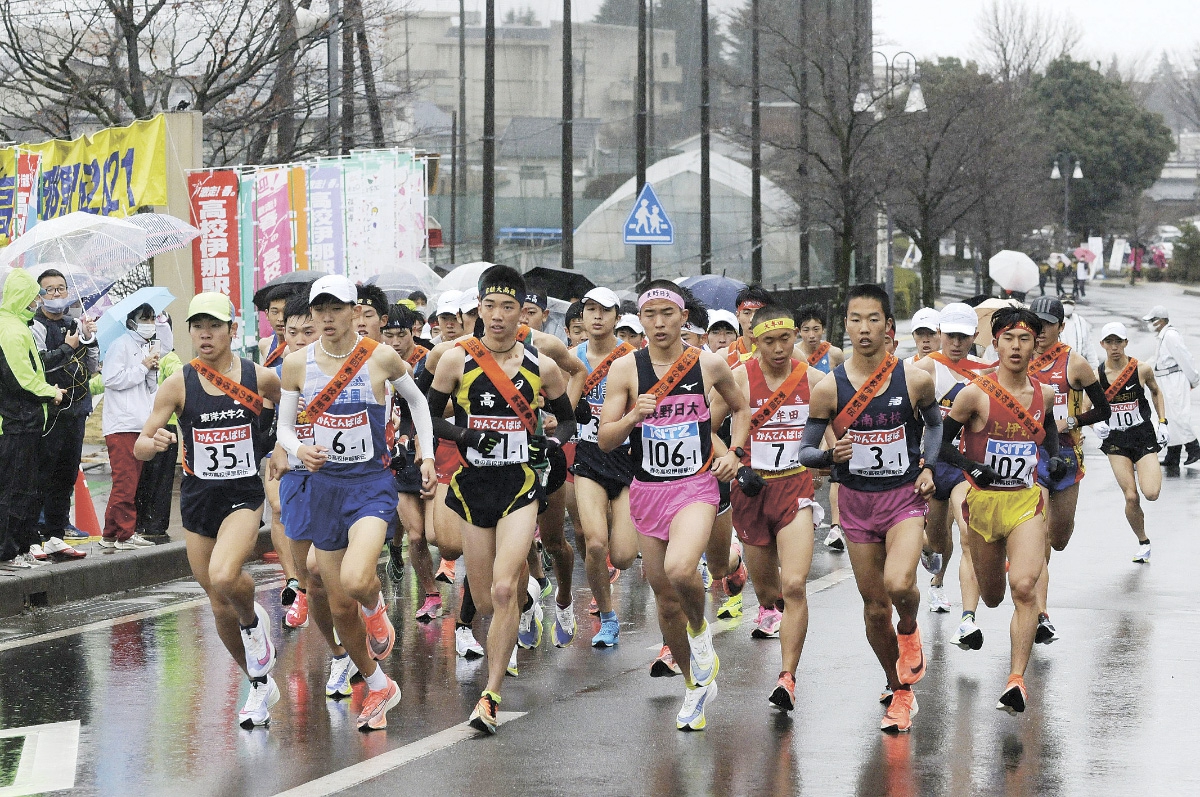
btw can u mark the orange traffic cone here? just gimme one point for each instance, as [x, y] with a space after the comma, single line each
[85, 510]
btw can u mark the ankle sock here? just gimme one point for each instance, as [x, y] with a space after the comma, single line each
[466, 610]
[606, 616]
[376, 680]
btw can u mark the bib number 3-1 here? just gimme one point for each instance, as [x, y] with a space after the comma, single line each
[346, 438]
[224, 453]
[879, 453]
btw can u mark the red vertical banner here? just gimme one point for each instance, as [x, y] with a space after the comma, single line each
[28, 164]
[215, 254]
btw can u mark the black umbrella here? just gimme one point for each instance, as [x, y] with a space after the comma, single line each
[559, 282]
[293, 281]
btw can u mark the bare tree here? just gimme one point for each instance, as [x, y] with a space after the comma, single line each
[1186, 90]
[1018, 40]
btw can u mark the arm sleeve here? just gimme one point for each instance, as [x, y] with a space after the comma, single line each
[561, 407]
[419, 409]
[444, 429]
[811, 455]
[1050, 443]
[424, 378]
[949, 452]
[285, 432]
[1099, 410]
[931, 440]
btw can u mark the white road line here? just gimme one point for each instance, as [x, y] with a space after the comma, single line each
[48, 757]
[373, 767]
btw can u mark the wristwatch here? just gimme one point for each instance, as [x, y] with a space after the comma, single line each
[1072, 422]
[740, 452]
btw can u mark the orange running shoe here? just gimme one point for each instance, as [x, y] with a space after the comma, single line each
[445, 572]
[483, 718]
[381, 636]
[784, 696]
[1014, 697]
[664, 666]
[375, 707]
[297, 613]
[902, 709]
[910, 667]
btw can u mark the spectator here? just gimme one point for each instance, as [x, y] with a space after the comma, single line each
[1176, 374]
[1083, 273]
[69, 363]
[24, 394]
[156, 486]
[1043, 276]
[130, 381]
[419, 300]
[1060, 274]
[1077, 333]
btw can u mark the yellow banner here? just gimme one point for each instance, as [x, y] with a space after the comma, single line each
[112, 172]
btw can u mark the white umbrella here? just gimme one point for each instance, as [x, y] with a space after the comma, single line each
[462, 278]
[408, 277]
[1013, 271]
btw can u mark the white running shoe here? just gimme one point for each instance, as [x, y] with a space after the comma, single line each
[133, 543]
[564, 624]
[835, 539]
[704, 661]
[341, 670]
[260, 652]
[529, 631]
[512, 663]
[465, 644]
[695, 701]
[258, 704]
[37, 552]
[937, 599]
[969, 637]
[705, 573]
[1143, 554]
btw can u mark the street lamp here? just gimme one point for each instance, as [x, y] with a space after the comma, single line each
[866, 99]
[1067, 159]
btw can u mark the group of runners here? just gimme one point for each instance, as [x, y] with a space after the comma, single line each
[695, 441]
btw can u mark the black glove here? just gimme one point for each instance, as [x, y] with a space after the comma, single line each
[983, 476]
[583, 412]
[539, 449]
[1057, 468]
[483, 441]
[749, 482]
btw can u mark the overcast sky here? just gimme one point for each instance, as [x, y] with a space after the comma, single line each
[1132, 29]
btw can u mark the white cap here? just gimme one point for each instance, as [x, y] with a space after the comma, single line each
[1156, 312]
[692, 328]
[469, 301]
[925, 318]
[958, 318]
[722, 317]
[335, 285]
[1114, 329]
[602, 296]
[630, 321]
[449, 302]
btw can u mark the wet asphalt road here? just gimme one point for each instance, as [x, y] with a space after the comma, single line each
[156, 696]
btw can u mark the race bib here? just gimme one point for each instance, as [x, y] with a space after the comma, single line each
[514, 441]
[776, 446]
[671, 450]
[879, 453]
[346, 438]
[223, 453]
[1060, 406]
[1014, 460]
[591, 431]
[1125, 415]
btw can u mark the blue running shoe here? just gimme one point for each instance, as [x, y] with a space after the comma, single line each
[72, 533]
[931, 561]
[609, 631]
[704, 662]
[705, 573]
[529, 632]
[564, 625]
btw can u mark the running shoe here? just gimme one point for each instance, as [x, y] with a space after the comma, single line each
[57, 548]
[73, 533]
[546, 586]
[784, 694]
[1045, 630]
[133, 543]
[297, 613]
[256, 711]
[260, 652]
[969, 636]
[465, 644]
[835, 539]
[665, 666]
[483, 718]
[910, 666]
[547, 561]
[512, 669]
[1143, 554]
[900, 712]
[610, 630]
[931, 561]
[1013, 699]
[395, 564]
[613, 573]
[735, 581]
[731, 608]
[767, 624]
[705, 573]
[37, 552]
[381, 635]
[594, 608]
[431, 608]
[445, 573]
[885, 697]
[108, 542]
[288, 595]
[19, 562]
[937, 599]
[696, 700]
[341, 669]
[704, 660]
[529, 632]
[375, 707]
[564, 625]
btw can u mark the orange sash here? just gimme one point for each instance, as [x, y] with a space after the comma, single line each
[235, 390]
[764, 413]
[495, 374]
[963, 367]
[822, 349]
[675, 373]
[595, 377]
[1115, 387]
[275, 356]
[1048, 356]
[337, 383]
[855, 406]
[1007, 400]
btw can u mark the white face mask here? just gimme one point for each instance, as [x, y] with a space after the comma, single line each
[1068, 310]
[146, 330]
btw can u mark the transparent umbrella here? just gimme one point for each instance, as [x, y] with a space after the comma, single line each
[1013, 271]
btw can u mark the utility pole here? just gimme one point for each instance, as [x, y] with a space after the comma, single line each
[453, 183]
[460, 173]
[650, 98]
[348, 77]
[568, 142]
[331, 53]
[805, 265]
[756, 240]
[489, 133]
[643, 253]
[705, 184]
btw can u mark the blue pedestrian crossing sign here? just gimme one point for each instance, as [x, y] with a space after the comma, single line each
[648, 222]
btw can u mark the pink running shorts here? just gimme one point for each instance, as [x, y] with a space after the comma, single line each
[866, 517]
[653, 505]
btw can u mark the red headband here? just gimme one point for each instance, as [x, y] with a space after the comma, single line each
[751, 304]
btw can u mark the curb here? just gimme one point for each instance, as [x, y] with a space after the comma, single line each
[101, 573]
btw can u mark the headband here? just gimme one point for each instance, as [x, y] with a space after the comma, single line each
[751, 304]
[504, 289]
[536, 298]
[1015, 325]
[695, 330]
[660, 293]
[771, 325]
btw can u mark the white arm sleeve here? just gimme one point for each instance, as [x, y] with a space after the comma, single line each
[419, 408]
[285, 430]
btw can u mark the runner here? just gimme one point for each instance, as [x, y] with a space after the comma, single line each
[494, 380]
[271, 350]
[673, 498]
[1004, 420]
[576, 330]
[1133, 445]
[224, 404]
[820, 354]
[630, 330]
[874, 401]
[1055, 364]
[722, 329]
[924, 328]
[351, 495]
[773, 507]
[602, 479]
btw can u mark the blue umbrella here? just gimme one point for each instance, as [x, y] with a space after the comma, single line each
[112, 323]
[717, 292]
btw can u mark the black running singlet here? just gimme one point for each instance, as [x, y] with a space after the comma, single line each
[887, 437]
[217, 433]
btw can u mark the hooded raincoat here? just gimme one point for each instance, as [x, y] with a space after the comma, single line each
[24, 391]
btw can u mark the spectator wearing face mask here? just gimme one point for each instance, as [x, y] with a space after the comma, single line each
[1077, 333]
[156, 485]
[70, 357]
[130, 372]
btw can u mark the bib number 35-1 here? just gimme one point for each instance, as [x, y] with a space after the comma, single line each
[224, 453]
